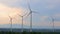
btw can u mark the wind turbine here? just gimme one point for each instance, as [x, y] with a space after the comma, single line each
[30, 13]
[10, 22]
[53, 23]
[22, 21]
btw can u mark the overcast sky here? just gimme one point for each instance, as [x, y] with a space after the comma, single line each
[45, 8]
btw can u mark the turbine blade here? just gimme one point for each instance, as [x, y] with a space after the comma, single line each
[34, 12]
[29, 13]
[25, 14]
[29, 6]
[9, 17]
[19, 15]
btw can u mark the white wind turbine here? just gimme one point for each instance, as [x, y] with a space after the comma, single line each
[22, 16]
[30, 13]
[10, 19]
[53, 23]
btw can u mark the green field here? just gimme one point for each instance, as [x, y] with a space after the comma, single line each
[29, 32]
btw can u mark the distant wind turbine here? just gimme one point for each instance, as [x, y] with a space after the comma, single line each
[10, 22]
[22, 21]
[53, 23]
[30, 13]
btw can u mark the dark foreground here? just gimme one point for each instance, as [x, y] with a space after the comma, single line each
[29, 32]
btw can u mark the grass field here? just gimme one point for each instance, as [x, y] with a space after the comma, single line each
[29, 32]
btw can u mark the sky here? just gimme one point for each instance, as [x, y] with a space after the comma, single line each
[42, 19]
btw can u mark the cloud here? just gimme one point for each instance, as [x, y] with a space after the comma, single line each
[43, 18]
[57, 15]
[12, 11]
[47, 4]
[10, 1]
[13, 3]
[35, 1]
[50, 7]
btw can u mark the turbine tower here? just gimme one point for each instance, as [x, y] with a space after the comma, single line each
[10, 18]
